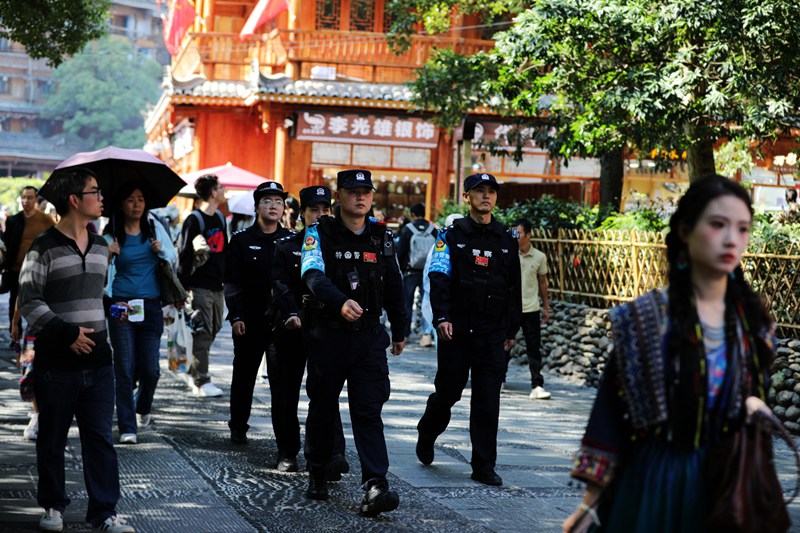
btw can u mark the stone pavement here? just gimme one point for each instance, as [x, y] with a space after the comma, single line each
[184, 475]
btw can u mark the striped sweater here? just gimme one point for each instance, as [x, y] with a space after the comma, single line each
[60, 289]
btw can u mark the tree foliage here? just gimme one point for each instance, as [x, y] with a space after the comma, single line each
[52, 29]
[103, 93]
[665, 74]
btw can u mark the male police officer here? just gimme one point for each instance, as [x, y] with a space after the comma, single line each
[349, 264]
[247, 293]
[477, 306]
[289, 291]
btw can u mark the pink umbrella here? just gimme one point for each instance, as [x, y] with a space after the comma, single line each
[230, 176]
[115, 167]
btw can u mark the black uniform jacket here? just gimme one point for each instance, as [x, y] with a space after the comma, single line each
[333, 240]
[248, 269]
[475, 278]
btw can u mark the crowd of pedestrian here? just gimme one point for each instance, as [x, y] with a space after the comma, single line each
[308, 287]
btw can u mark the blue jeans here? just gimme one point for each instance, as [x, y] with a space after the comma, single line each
[88, 396]
[412, 281]
[136, 352]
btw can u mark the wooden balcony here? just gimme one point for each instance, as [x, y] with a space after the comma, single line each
[356, 55]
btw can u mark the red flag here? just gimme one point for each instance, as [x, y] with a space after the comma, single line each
[264, 11]
[181, 17]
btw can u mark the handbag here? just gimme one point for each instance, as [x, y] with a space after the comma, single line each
[172, 291]
[744, 491]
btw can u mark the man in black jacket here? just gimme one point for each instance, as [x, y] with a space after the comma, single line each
[21, 229]
[349, 264]
[248, 264]
[289, 292]
[476, 299]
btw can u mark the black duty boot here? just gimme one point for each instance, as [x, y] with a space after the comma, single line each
[337, 466]
[379, 499]
[487, 476]
[425, 448]
[317, 486]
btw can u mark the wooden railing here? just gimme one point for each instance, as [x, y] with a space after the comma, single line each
[370, 49]
[605, 268]
[223, 56]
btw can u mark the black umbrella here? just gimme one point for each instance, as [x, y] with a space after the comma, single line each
[115, 167]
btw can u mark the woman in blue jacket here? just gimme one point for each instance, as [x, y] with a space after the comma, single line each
[137, 241]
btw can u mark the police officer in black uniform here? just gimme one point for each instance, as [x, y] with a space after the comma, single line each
[289, 291]
[476, 300]
[248, 264]
[349, 264]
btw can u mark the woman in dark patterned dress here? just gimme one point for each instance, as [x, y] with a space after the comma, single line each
[690, 362]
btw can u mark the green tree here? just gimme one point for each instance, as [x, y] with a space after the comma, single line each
[103, 93]
[51, 29]
[611, 74]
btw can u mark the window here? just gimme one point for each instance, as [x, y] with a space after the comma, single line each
[5, 85]
[5, 44]
[362, 15]
[328, 12]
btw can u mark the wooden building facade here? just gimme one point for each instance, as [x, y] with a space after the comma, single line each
[318, 90]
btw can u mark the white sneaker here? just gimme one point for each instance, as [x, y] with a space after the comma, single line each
[207, 390]
[539, 393]
[32, 430]
[51, 521]
[426, 340]
[143, 420]
[127, 438]
[114, 524]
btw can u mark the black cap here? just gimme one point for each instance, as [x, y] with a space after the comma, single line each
[474, 180]
[353, 179]
[268, 187]
[316, 194]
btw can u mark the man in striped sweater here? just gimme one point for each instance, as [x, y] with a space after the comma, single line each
[61, 296]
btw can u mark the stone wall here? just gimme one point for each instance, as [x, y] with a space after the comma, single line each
[576, 344]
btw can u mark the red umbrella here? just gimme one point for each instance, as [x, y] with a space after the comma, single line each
[230, 176]
[115, 167]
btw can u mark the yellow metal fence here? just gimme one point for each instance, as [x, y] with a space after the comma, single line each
[605, 268]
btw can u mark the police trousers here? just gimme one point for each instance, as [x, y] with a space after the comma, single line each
[484, 356]
[358, 358]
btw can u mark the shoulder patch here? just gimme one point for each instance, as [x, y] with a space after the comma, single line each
[440, 257]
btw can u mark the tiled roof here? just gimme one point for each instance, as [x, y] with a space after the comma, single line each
[335, 89]
[33, 146]
[282, 85]
[217, 89]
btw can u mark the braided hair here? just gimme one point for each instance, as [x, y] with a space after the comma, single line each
[685, 350]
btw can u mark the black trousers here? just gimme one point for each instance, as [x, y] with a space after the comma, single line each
[358, 358]
[248, 349]
[532, 331]
[286, 364]
[484, 356]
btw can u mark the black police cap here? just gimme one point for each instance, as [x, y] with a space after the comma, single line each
[475, 180]
[268, 187]
[316, 194]
[354, 178]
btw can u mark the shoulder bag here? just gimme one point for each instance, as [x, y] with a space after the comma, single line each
[745, 494]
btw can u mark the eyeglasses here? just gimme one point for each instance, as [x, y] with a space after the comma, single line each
[269, 202]
[98, 192]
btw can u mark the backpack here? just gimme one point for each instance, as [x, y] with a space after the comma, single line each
[421, 243]
[202, 226]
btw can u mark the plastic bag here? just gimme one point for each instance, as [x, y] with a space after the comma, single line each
[179, 341]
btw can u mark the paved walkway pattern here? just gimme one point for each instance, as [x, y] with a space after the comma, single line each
[185, 476]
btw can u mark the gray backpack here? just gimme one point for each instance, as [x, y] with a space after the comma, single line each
[421, 243]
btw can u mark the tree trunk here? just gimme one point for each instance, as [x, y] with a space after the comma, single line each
[612, 172]
[699, 154]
